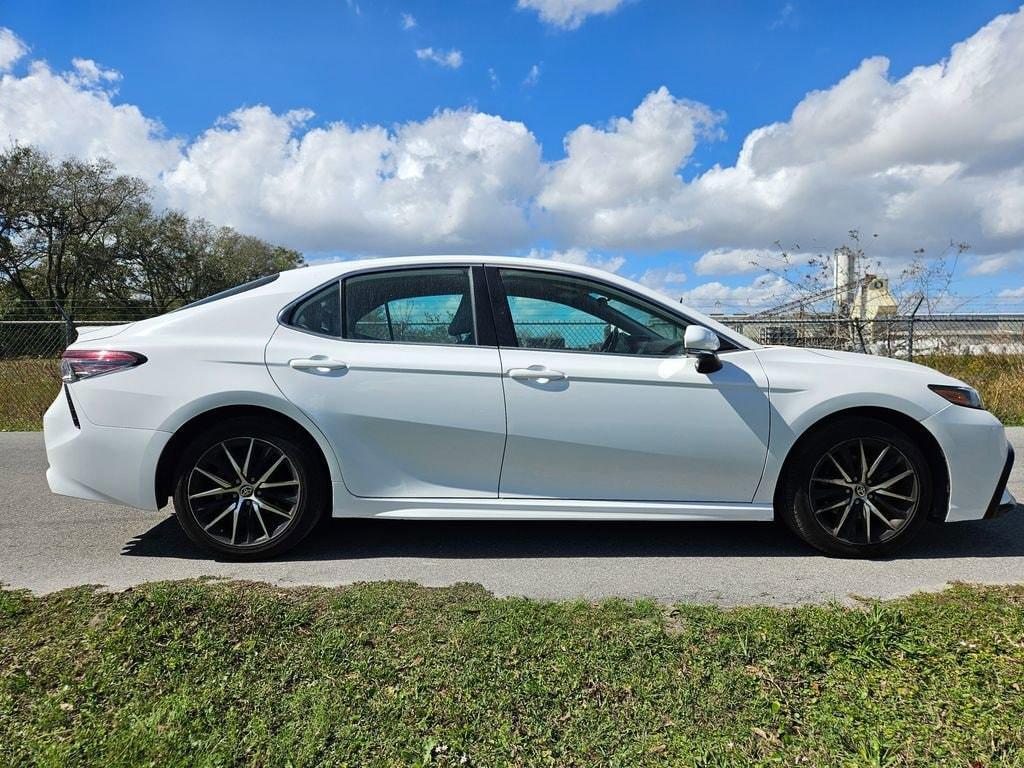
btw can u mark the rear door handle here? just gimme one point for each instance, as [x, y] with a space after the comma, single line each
[538, 374]
[317, 363]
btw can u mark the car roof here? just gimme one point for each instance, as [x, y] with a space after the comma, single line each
[359, 265]
[309, 277]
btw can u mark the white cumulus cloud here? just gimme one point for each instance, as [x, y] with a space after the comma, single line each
[451, 59]
[408, 21]
[459, 180]
[764, 291]
[730, 261]
[741, 261]
[616, 184]
[996, 263]
[937, 154]
[666, 280]
[72, 113]
[11, 49]
[568, 14]
[581, 257]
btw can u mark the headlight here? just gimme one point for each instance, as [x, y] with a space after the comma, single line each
[968, 397]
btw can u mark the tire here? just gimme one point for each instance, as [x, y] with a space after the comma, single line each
[249, 488]
[833, 504]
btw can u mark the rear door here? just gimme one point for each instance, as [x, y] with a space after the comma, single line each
[602, 403]
[396, 369]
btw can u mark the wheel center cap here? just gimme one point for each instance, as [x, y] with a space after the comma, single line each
[860, 490]
[245, 491]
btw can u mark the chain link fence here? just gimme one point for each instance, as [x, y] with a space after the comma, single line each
[892, 336]
[987, 351]
[30, 353]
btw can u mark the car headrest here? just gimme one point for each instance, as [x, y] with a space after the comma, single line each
[462, 321]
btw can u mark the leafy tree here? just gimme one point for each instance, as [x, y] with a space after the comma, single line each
[169, 260]
[74, 233]
[56, 222]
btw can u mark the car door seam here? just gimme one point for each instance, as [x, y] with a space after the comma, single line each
[504, 405]
[768, 438]
[300, 409]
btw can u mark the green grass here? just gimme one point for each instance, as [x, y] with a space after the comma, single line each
[193, 673]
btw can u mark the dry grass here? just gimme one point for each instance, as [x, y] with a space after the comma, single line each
[999, 379]
[27, 387]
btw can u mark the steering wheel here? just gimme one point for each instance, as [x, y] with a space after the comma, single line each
[611, 341]
[674, 348]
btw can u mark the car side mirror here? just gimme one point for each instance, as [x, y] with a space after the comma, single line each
[702, 344]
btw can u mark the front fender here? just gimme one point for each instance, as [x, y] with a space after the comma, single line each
[789, 424]
[805, 388]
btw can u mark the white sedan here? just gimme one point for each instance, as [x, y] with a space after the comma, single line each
[479, 388]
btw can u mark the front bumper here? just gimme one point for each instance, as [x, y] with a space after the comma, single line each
[87, 461]
[978, 457]
[1002, 500]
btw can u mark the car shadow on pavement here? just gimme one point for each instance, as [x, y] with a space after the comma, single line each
[366, 539]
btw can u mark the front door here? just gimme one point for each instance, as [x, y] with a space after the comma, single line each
[602, 403]
[401, 382]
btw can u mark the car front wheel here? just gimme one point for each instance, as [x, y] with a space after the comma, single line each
[859, 488]
[248, 489]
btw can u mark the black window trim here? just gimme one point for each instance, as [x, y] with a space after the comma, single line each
[235, 290]
[490, 306]
[505, 328]
[505, 331]
[483, 318]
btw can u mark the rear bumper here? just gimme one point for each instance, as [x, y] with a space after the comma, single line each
[112, 464]
[1002, 500]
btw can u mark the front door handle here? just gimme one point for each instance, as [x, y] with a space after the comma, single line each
[536, 373]
[317, 363]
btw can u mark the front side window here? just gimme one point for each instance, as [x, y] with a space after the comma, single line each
[416, 306]
[551, 311]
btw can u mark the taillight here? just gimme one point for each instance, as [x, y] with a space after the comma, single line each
[78, 364]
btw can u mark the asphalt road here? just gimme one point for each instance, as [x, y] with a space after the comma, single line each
[50, 542]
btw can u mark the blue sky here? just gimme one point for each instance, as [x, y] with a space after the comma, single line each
[185, 66]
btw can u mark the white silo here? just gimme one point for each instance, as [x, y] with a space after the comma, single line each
[845, 276]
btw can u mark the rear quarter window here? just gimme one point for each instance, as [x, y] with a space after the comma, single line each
[257, 283]
[319, 313]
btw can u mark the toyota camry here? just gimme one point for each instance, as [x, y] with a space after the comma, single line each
[479, 388]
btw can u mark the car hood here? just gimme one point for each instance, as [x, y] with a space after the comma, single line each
[883, 365]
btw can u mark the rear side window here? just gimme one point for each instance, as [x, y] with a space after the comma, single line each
[415, 306]
[320, 313]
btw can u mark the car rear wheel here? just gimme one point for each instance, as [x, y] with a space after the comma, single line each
[248, 489]
[860, 488]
